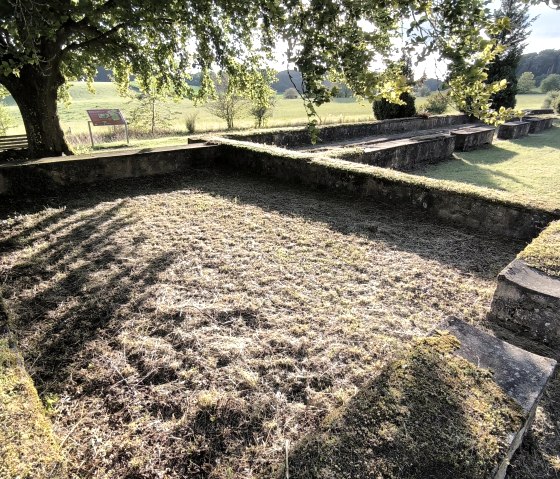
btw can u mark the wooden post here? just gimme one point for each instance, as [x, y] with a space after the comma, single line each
[126, 132]
[90, 133]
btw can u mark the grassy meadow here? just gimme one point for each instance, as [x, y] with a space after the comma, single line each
[529, 167]
[74, 118]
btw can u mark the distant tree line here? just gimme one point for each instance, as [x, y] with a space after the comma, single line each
[539, 64]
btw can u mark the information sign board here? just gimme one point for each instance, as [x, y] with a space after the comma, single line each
[106, 117]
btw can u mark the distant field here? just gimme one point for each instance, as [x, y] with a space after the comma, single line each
[287, 112]
[529, 167]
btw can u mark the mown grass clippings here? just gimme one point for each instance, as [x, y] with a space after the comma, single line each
[543, 253]
[190, 326]
[429, 414]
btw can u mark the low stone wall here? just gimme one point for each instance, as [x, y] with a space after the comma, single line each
[527, 301]
[468, 139]
[52, 174]
[538, 124]
[463, 205]
[466, 206]
[294, 137]
[513, 130]
[405, 154]
[542, 111]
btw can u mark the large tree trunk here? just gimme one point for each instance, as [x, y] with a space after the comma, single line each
[35, 92]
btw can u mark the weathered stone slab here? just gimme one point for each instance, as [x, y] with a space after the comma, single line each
[527, 301]
[521, 374]
[537, 124]
[541, 111]
[405, 154]
[472, 138]
[513, 130]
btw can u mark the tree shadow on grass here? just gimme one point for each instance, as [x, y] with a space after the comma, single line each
[73, 290]
[427, 416]
[77, 288]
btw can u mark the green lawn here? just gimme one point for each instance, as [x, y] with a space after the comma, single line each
[286, 113]
[74, 118]
[529, 168]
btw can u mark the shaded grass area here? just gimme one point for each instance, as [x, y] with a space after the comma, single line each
[429, 414]
[529, 168]
[543, 252]
[189, 327]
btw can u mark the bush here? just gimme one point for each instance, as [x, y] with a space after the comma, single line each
[262, 112]
[190, 121]
[550, 98]
[551, 82]
[385, 110]
[291, 94]
[437, 103]
[526, 83]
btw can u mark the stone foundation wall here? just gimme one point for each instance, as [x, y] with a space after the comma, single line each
[406, 154]
[294, 137]
[513, 130]
[527, 302]
[52, 174]
[468, 139]
[453, 207]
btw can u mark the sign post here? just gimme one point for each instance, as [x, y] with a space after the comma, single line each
[106, 118]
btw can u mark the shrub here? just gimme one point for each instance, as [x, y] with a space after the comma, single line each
[551, 82]
[262, 112]
[291, 94]
[551, 98]
[526, 83]
[437, 103]
[384, 110]
[190, 121]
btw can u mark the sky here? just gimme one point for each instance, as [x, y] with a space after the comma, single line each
[545, 32]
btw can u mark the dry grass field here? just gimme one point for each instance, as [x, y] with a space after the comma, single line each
[189, 327]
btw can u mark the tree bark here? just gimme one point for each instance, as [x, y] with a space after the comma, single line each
[35, 92]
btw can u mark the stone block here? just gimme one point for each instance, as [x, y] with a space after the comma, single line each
[541, 111]
[407, 153]
[472, 138]
[513, 130]
[537, 124]
[527, 302]
[521, 374]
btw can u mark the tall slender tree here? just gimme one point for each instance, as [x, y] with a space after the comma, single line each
[512, 38]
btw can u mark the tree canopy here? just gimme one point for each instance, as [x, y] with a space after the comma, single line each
[44, 44]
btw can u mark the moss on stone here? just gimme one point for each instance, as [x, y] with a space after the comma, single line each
[543, 253]
[429, 414]
[28, 446]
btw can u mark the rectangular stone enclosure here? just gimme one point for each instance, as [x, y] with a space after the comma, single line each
[407, 153]
[513, 130]
[472, 138]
